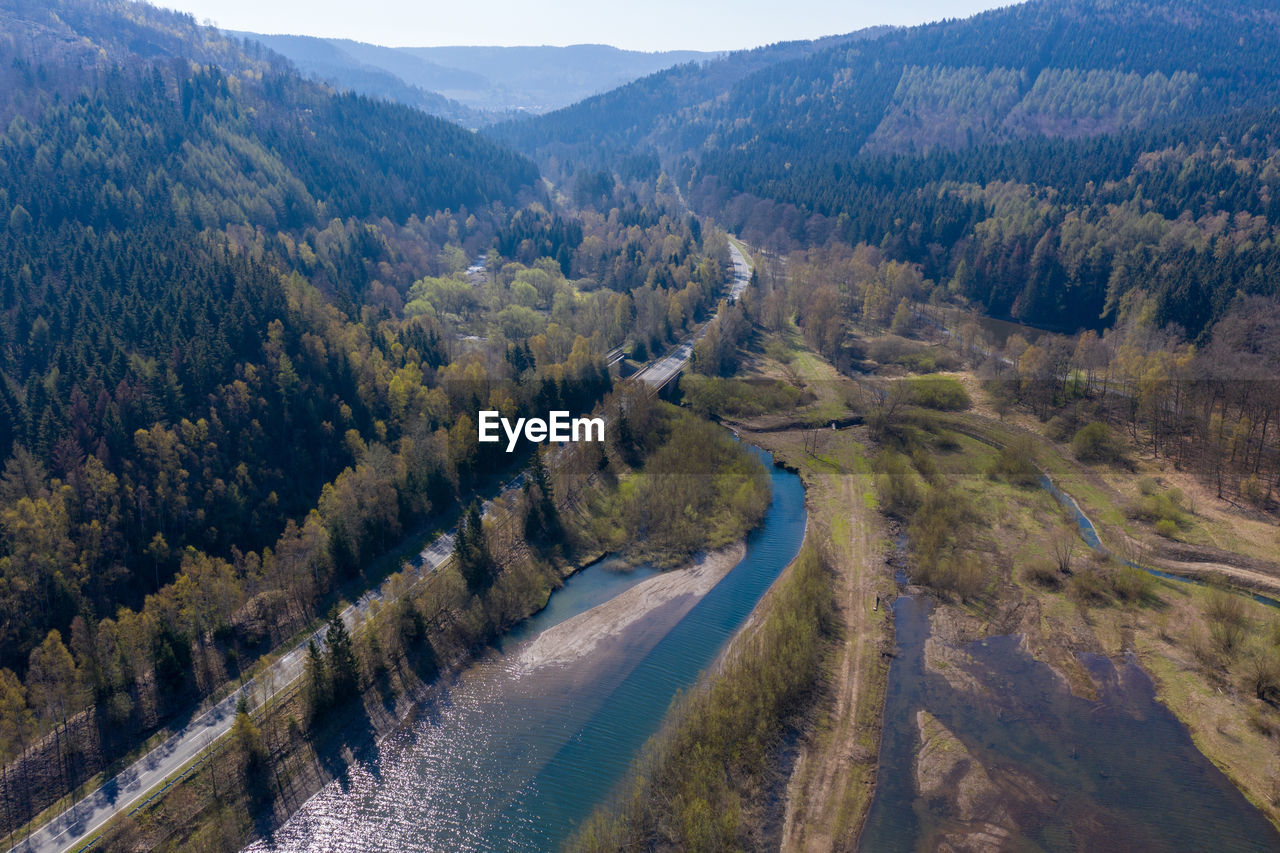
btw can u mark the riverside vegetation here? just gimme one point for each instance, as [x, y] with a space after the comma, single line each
[366, 680]
[702, 781]
[243, 339]
[243, 358]
[954, 462]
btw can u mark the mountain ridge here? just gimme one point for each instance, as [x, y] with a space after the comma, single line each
[474, 85]
[904, 141]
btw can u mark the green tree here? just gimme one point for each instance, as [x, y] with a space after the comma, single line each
[542, 524]
[901, 317]
[344, 671]
[471, 549]
[53, 684]
[248, 739]
[1095, 443]
[319, 691]
[16, 723]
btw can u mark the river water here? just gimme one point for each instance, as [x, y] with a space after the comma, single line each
[513, 758]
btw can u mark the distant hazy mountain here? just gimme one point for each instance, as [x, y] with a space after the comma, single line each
[379, 72]
[472, 85]
[538, 79]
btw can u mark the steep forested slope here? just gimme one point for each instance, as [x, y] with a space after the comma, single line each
[171, 231]
[243, 341]
[603, 128]
[1053, 161]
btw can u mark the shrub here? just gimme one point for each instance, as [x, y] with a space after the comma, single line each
[943, 393]
[1155, 507]
[966, 575]
[1225, 607]
[1227, 638]
[1263, 674]
[1043, 573]
[1015, 463]
[1060, 428]
[916, 357]
[1262, 722]
[924, 463]
[779, 352]
[1095, 443]
[961, 573]
[946, 440]
[1167, 528]
[891, 349]
[896, 485]
[1202, 648]
[1251, 490]
[1088, 587]
[1130, 584]
[739, 398]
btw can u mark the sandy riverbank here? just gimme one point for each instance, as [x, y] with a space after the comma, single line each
[576, 637]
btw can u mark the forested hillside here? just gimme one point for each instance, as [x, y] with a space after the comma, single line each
[1052, 162]
[241, 355]
[151, 349]
[379, 72]
[602, 130]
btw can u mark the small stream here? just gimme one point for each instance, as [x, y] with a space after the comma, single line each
[1089, 534]
[512, 758]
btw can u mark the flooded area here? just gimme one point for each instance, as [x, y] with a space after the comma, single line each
[985, 748]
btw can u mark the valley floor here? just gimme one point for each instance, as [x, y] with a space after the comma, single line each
[1170, 628]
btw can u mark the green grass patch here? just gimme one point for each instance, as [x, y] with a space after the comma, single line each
[741, 397]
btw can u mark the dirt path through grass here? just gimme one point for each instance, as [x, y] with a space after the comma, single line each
[834, 776]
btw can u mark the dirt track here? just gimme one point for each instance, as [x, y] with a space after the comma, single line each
[834, 774]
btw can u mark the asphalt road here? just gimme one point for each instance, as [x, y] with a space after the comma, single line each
[145, 775]
[127, 788]
[659, 373]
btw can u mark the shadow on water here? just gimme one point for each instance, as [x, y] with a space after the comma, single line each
[513, 759]
[1066, 773]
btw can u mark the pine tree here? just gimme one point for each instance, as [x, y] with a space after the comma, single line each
[542, 525]
[249, 739]
[344, 672]
[472, 551]
[319, 691]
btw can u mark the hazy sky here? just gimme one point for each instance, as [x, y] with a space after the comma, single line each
[636, 24]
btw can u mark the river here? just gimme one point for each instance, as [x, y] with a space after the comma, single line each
[514, 756]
